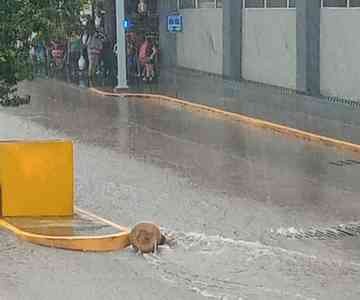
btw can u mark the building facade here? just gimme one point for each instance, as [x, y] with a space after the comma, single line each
[307, 45]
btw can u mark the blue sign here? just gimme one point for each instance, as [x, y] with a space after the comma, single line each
[175, 23]
[127, 24]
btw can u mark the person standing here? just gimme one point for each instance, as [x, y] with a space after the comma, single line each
[74, 53]
[94, 47]
[132, 55]
[147, 55]
[142, 56]
[150, 66]
[108, 60]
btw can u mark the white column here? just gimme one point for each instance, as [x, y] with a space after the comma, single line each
[121, 46]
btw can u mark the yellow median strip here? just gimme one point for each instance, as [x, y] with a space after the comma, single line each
[96, 243]
[304, 135]
[37, 199]
[37, 202]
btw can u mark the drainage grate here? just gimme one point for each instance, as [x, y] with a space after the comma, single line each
[344, 163]
[345, 101]
[333, 233]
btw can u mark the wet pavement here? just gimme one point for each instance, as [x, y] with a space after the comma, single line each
[228, 192]
[76, 225]
[320, 115]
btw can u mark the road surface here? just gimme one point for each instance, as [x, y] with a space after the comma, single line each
[232, 195]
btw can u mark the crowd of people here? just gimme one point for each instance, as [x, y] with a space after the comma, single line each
[92, 53]
[142, 54]
[77, 52]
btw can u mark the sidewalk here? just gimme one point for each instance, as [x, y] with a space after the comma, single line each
[277, 105]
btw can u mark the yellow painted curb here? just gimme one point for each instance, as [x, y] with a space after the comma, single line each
[97, 243]
[304, 135]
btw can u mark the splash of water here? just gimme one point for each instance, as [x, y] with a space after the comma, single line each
[230, 255]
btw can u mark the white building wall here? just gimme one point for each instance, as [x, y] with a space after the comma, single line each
[340, 52]
[269, 46]
[200, 45]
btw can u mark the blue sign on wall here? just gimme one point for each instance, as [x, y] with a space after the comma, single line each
[175, 23]
[127, 24]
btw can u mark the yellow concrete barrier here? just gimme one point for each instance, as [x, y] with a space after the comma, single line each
[37, 199]
[36, 178]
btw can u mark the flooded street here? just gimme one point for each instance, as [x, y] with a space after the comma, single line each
[229, 194]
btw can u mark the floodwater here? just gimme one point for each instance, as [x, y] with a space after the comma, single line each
[229, 194]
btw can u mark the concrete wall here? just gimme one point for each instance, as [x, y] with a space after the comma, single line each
[200, 45]
[167, 40]
[340, 52]
[269, 50]
[269, 46]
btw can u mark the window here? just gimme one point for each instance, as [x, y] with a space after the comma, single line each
[270, 3]
[354, 3]
[292, 3]
[187, 4]
[254, 3]
[276, 3]
[248, 3]
[206, 3]
[200, 4]
[335, 3]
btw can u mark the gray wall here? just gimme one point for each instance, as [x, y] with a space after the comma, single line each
[269, 49]
[232, 39]
[340, 52]
[200, 45]
[269, 46]
[167, 40]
